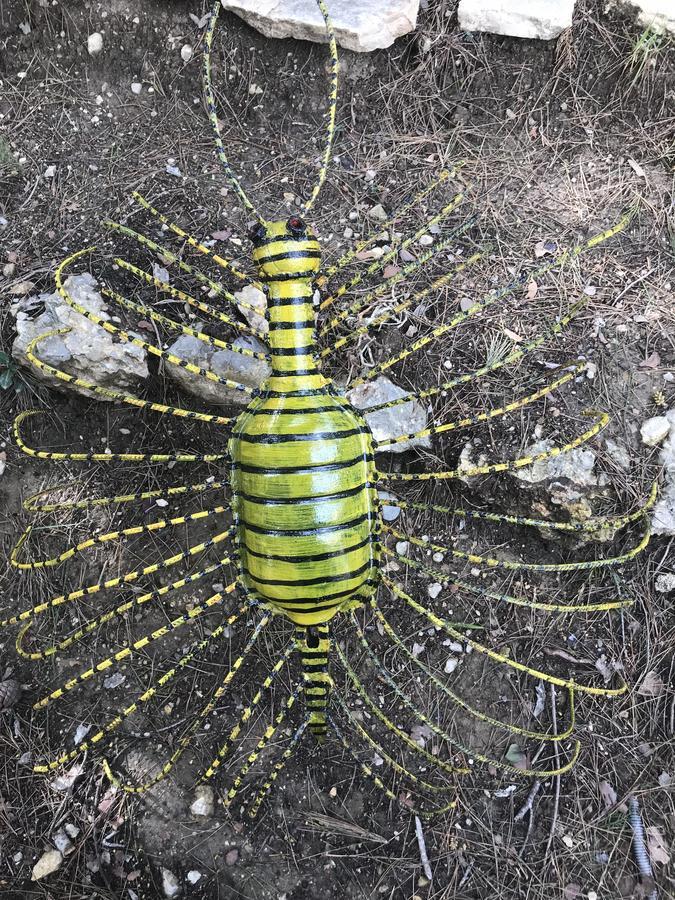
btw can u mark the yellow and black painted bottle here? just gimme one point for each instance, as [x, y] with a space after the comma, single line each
[303, 472]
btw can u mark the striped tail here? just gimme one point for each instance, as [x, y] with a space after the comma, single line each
[313, 644]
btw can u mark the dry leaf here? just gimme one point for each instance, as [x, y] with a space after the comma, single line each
[637, 168]
[22, 288]
[563, 654]
[652, 685]
[604, 669]
[373, 253]
[221, 235]
[390, 271]
[656, 845]
[512, 334]
[653, 361]
[607, 793]
[420, 734]
[516, 757]
[231, 857]
[108, 799]
[200, 23]
[532, 289]
[67, 780]
[571, 891]
[48, 863]
[541, 700]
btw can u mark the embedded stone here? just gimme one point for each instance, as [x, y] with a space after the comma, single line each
[543, 19]
[364, 26]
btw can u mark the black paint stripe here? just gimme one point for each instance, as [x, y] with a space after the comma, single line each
[303, 501]
[288, 254]
[303, 470]
[310, 601]
[310, 582]
[311, 557]
[276, 239]
[303, 300]
[301, 410]
[305, 532]
[306, 323]
[287, 373]
[300, 392]
[297, 276]
[298, 438]
[305, 350]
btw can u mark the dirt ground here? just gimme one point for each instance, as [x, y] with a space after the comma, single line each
[557, 141]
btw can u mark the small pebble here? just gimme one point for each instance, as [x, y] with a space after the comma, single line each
[434, 590]
[193, 876]
[95, 43]
[378, 213]
[203, 804]
[665, 583]
[170, 884]
[451, 665]
[186, 52]
[402, 547]
[654, 430]
[136, 87]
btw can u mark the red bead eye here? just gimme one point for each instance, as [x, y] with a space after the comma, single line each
[296, 225]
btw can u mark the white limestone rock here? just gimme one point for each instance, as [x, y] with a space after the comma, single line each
[543, 19]
[656, 14]
[567, 482]
[663, 517]
[86, 351]
[363, 26]
[655, 430]
[203, 803]
[252, 296]
[388, 424]
[225, 363]
[665, 583]
[171, 886]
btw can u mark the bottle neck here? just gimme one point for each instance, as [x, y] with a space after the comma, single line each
[292, 336]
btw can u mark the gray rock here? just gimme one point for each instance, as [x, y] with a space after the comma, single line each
[663, 517]
[389, 513]
[543, 19]
[618, 454]
[203, 802]
[568, 481]
[468, 462]
[654, 430]
[251, 296]
[388, 424]
[657, 14]
[224, 363]
[86, 351]
[171, 887]
[363, 26]
[665, 583]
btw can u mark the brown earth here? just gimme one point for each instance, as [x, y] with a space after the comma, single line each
[558, 140]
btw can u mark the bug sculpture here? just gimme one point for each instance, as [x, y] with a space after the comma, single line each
[310, 541]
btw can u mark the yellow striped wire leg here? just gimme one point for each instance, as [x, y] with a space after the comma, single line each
[310, 557]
